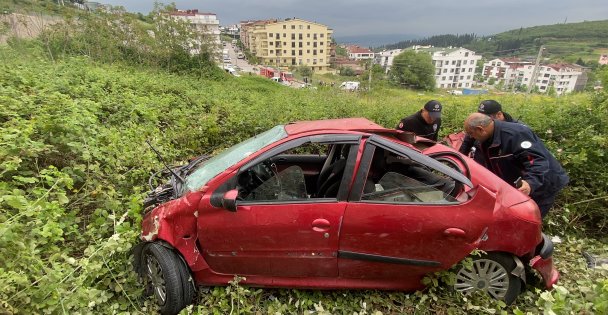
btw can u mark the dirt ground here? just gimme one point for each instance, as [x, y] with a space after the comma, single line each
[24, 26]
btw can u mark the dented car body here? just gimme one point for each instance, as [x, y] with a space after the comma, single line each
[336, 204]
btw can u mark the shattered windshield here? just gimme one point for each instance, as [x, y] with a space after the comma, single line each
[219, 163]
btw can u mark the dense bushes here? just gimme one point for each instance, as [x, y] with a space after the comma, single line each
[73, 166]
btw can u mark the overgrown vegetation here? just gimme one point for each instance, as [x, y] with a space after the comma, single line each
[74, 168]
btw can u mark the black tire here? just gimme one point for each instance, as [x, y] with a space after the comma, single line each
[490, 273]
[167, 278]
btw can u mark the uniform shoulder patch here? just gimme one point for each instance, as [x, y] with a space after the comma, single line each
[526, 144]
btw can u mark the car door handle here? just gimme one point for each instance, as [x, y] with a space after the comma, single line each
[454, 232]
[320, 225]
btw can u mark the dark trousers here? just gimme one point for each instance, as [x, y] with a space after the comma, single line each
[545, 204]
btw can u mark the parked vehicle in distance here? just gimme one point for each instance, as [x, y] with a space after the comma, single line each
[350, 85]
[331, 204]
[455, 92]
[241, 55]
[272, 73]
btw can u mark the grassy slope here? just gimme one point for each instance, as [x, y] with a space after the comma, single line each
[90, 121]
[570, 41]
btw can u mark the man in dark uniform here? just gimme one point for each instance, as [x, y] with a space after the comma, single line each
[425, 123]
[493, 109]
[513, 151]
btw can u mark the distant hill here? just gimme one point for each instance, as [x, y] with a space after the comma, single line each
[374, 40]
[566, 42]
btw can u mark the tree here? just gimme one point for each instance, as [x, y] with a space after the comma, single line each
[304, 71]
[413, 69]
[347, 71]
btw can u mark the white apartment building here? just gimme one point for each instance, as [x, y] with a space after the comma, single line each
[564, 78]
[205, 23]
[504, 70]
[454, 67]
[385, 58]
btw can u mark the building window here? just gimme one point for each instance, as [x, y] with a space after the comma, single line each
[314, 44]
[321, 43]
[284, 35]
[308, 51]
[284, 51]
[300, 44]
[466, 54]
[321, 51]
[284, 26]
[271, 43]
[300, 54]
[308, 27]
[272, 51]
[269, 34]
[307, 43]
[314, 36]
[321, 35]
[284, 43]
[293, 44]
[300, 35]
[293, 52]
[308, 35]
[445, 70]
[293, 27]
[320, 60]
[470, 69]
[314, 52]
[293, 36]
[301, 26]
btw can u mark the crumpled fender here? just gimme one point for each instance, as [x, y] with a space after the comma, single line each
[175, 223]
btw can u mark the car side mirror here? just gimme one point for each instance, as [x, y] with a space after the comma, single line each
[229, 200]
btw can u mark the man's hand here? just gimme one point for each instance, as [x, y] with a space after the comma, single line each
[525, 187]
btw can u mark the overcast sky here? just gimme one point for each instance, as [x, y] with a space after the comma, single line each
[423, 18]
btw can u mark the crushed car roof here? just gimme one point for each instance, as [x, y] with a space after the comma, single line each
[344, 124]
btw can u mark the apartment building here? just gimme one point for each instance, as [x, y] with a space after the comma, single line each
[454, 67]
[504, 70]
[205, 23]
[563, 78]
[291, 42]
[385, 58]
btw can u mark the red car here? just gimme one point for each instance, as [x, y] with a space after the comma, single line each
[341, 203]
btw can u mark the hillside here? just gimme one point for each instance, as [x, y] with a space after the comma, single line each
[566, 42]
[74, 168]
[585, 40]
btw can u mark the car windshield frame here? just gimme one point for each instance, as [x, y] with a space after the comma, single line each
[231, 156]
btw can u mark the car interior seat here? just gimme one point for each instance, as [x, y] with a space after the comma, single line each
[329, 179]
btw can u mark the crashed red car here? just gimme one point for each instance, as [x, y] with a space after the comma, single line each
[333, 204]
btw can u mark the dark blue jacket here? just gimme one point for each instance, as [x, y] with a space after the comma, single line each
[514, 151]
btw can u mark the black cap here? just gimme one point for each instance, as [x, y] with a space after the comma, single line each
[434, 108]
[489, 107]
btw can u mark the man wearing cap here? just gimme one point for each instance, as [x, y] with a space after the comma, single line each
[425, 123]
[493, 109]
[519, 157]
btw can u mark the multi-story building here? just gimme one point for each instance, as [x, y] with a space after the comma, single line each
[385, 58]
[504, 70]
[603, 60]
[205, 23]
[563, 78]
[358, 53]
[454, 67]
[291, 42]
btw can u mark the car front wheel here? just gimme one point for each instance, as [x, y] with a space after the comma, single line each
[490, 273]
[166, 277]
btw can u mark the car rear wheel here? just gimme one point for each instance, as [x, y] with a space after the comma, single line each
[490, 273]
[167, 278]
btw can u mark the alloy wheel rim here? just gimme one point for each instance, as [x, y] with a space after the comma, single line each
[485, 275]
[156, 279]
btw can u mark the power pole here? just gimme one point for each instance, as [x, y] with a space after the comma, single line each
[536, 69]
[369, 82]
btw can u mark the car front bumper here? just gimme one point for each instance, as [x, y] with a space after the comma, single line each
[543, 262]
